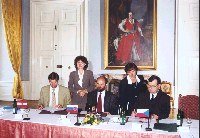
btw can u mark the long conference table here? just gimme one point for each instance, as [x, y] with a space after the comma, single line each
[54, 126]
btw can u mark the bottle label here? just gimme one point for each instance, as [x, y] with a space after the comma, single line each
[13, 110]
[178, 122]
[122, 120]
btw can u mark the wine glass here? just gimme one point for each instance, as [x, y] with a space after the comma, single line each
[189, 121]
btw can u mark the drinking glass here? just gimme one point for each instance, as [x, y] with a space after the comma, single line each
[189, 121]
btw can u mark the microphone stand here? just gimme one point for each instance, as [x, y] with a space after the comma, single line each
[77, 121]
[148, 128]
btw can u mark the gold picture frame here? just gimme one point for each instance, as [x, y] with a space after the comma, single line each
[143, 11]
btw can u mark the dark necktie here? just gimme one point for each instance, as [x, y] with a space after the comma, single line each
[99, 104]
[152, 97]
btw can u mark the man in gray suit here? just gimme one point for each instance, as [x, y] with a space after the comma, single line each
[54, 95]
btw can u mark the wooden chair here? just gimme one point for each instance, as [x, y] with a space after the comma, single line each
[167, 88]
[189, 104]
[113, 86]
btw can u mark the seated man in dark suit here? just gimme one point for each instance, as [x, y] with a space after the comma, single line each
[104, 101]
[155, 100]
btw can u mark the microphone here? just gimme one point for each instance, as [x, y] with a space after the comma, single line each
[148, 128]
[77, 120]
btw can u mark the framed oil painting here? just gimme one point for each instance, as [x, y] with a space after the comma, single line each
[130, 33]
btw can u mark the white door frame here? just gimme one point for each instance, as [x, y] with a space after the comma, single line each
[186, 49]
[84, 38]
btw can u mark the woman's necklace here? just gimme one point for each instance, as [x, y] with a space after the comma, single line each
[81, 72]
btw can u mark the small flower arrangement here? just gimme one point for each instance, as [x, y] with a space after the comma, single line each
[91, 119]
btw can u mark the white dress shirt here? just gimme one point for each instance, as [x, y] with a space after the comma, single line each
[51, 94]
[130, 81]
[154, 94]
[102, 98]
[80, 82]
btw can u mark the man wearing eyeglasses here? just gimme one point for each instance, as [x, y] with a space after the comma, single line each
[155, 100]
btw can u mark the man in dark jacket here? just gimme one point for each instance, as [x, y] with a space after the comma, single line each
[155, 100]
[104, 101]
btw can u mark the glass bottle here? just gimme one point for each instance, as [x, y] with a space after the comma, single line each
[119, 110]
[179, 118]
[182, 115]
[122, 117]
[15, 106]
[88, 108]
[127, 111]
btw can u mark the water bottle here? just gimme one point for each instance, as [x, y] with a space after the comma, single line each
[122, 117]
[15, 106]
[88, 108]
[179, 118]
[119, 110]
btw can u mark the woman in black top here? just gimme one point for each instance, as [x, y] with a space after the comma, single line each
[130, 87]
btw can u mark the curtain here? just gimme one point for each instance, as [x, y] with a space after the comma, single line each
[11, 10]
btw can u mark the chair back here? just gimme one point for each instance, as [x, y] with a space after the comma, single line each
[113, 86]
[189, 104]
[166, 87]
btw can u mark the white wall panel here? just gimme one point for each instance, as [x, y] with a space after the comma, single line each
[187, 52]
[6, 90]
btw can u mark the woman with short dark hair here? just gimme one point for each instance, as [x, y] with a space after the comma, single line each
[81, 82]
[83, 59]
[130, 87]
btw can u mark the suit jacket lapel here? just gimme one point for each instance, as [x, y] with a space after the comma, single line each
[59, 97]
[76, 76]
[95, 97]
[48, 95]
[158, 95]
[106, 101]
[84, 75]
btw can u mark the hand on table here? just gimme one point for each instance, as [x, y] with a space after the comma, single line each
[40, 107]
[107, 113]
[133, 114]
[154, 116]
[58, 106]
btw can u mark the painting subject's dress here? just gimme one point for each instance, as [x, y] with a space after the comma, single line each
[129, 45]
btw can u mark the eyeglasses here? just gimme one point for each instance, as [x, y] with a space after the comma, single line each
[151, 86]
[131, 70]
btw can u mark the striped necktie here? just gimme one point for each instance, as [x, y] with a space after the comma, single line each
[53, 98]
